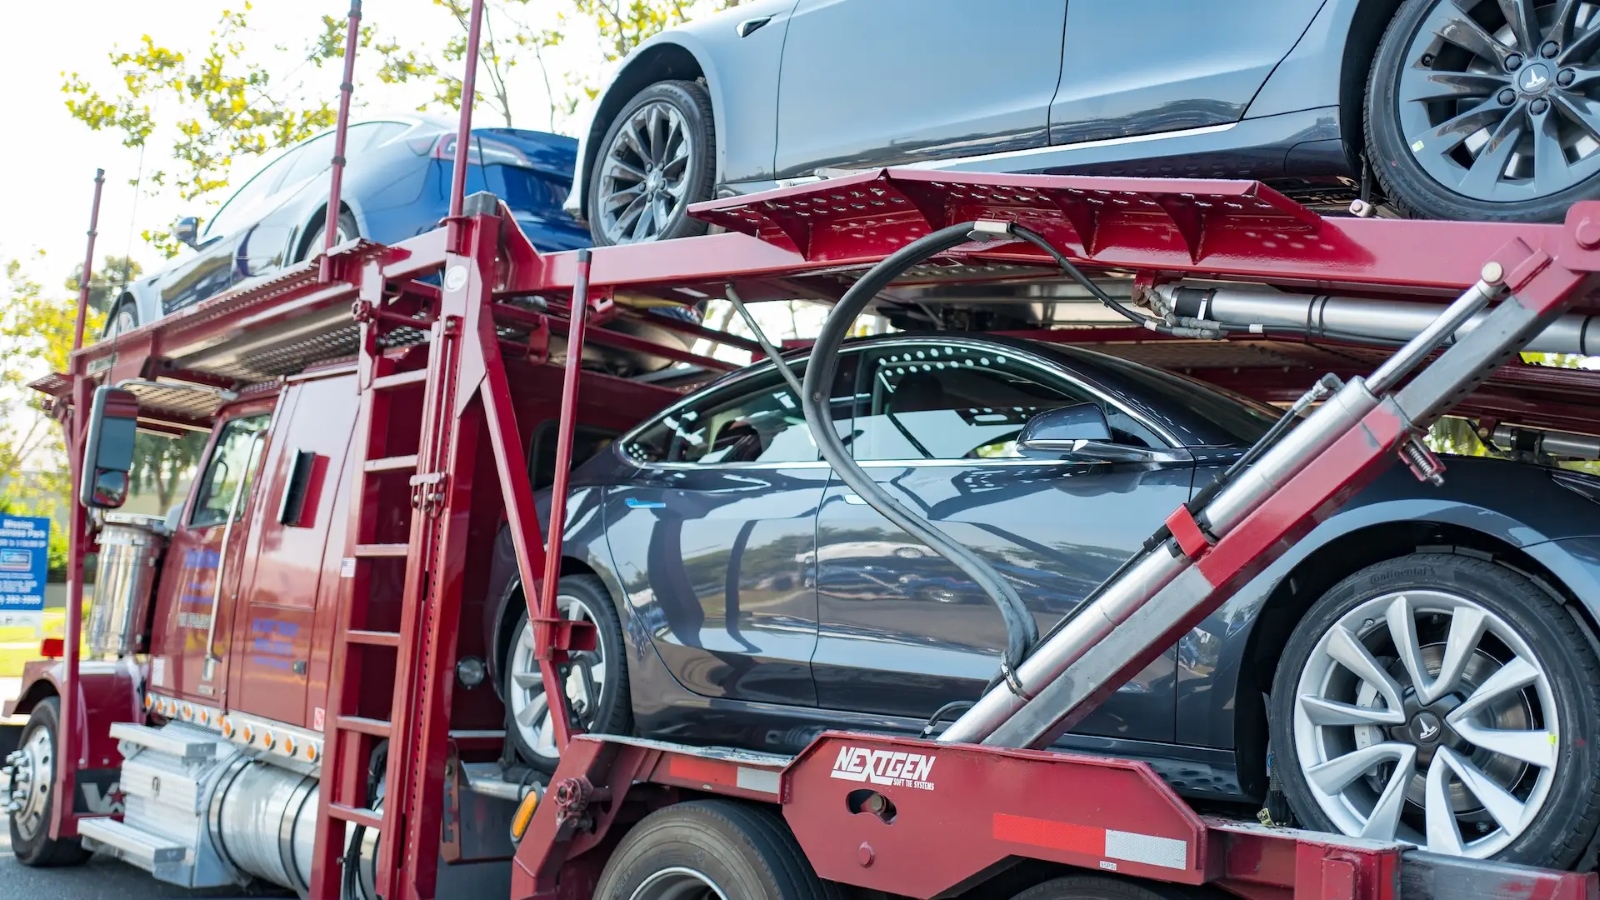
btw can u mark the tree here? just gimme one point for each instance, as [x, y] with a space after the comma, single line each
[108, 281]
[36, 328]
[165, 465]
[221, 107]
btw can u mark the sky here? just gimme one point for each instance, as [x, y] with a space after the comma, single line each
[51, 158]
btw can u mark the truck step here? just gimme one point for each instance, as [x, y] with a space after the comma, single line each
[141, 848]
[185, 744]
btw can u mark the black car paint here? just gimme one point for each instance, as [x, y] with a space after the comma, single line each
[1185, 714]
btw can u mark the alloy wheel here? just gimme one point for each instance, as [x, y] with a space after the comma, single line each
[32, 770]
[644, 174]
[123, 320]
[678, 883]
[1424, 717]
[1497, 99]
[584, 679]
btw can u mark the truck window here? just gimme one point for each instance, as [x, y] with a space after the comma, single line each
[229, 470]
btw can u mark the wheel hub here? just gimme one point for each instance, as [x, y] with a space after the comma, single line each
[1426, 729]
[31, 769]
[1535, 79]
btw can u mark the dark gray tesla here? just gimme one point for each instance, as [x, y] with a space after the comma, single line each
[1462, 109]
[1423, 661]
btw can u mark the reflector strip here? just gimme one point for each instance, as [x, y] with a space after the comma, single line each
[716, 772]
[1128, 846]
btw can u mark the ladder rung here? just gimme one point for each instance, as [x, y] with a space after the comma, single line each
[363, 725]
[369, 551]
[367, 817]
[391, 464]
[399, 379]
[373, 638]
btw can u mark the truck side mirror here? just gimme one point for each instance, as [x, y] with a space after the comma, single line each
[187, 230]
[108, 448]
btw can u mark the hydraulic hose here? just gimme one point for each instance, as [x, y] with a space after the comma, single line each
[1021, 631]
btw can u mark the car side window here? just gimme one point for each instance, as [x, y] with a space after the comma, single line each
[244, 206]
[231, 470]
[953, 401]
[759, 423]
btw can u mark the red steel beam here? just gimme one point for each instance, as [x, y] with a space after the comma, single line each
[347, 87]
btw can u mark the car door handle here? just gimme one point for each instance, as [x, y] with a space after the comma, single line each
[636, 503]
[749, 26]
[853, 499]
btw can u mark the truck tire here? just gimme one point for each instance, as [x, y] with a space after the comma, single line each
[711, 848]
[1447, 701]
[669, 164]
[1481, 134]
[527, 720]
[30, 825]
[1101, 887]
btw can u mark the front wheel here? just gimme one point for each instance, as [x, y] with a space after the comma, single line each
[596, 681]
[1445, 701]
[657, 158]
[1487, 109]
[1101, 887]
[29, 799]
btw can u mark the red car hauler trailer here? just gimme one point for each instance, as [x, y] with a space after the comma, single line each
[281, 697]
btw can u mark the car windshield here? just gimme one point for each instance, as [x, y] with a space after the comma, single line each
[1223, 416]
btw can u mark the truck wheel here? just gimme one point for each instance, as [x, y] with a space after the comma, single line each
[657, 158]
[711, 850]
[1100, 887]
[1446, 701]
[29, 798]
[596, 682]
[1481, 110]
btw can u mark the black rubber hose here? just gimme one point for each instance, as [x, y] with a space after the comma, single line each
[1021, 631]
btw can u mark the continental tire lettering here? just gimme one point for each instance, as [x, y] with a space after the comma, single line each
[891, 768]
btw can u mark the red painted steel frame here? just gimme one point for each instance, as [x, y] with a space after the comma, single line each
[342, 124]
[920, 819]
[72, 741]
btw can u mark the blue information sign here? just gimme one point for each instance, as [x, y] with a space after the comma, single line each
[24, 566]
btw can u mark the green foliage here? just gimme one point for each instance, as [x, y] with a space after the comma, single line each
[166, 465]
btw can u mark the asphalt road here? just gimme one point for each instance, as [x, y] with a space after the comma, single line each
[98, 879]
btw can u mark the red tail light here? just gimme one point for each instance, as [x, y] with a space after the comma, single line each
[53, 648]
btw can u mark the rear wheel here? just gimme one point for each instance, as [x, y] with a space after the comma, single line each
[1445, 701]
[711, 850]
[657, 158]
[29, 797]
[1487, 109]
[346, 231]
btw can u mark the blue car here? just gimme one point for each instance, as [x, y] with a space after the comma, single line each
[396, 186]
[1421, 666]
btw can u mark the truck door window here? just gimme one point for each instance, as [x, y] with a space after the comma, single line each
[228, 471]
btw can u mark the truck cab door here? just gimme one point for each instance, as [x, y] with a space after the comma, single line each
[189, 657]
[276, 629]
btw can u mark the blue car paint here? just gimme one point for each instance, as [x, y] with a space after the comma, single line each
[393, 191]
[1181, 715]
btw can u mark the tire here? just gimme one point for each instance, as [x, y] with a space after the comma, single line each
[30, 840]
[523, 689]
[1437, 602]
[1101, 887]
[745, 852]
[313, 241]
[1429, 181]
[124, 317]
[688, 124]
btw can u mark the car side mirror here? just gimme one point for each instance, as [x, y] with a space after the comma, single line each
[187, 230]
[1080, 431]
[108, 448]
